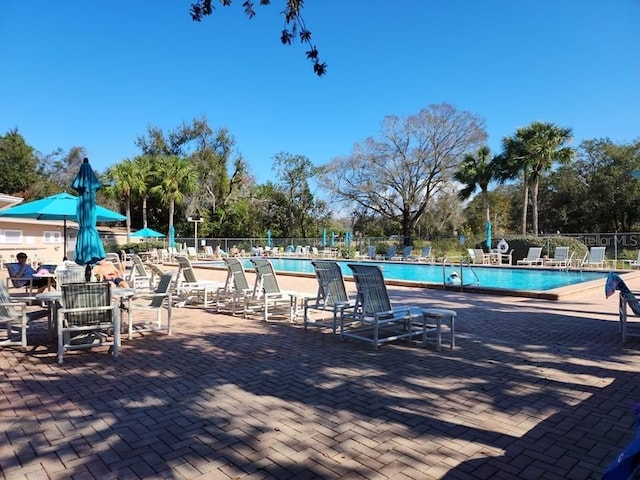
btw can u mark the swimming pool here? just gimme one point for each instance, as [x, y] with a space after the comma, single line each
[506, 279]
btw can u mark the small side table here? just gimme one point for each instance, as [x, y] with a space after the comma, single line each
[438, 314]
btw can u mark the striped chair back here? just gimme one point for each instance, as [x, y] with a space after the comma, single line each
[266, 280]
[236, 276]
[71, 274]
[6, 311]
[87, 296]
[372, 296]
[331, 287]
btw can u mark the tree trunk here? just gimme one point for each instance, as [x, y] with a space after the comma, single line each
[534, 206]
[525, 203]
[144, 211]
[128, 220]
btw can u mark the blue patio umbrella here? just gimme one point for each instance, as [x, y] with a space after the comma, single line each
[347, 240]
[268, 238]
[61, 206]
[147, 233]
[487, 229]
[89, 248]
[172, 236]
[333, 239]
[324, 237]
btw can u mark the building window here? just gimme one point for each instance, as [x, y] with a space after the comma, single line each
[11, 236]
[52, 237]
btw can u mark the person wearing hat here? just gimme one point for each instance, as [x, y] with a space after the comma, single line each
[453, 279]
[23, 270]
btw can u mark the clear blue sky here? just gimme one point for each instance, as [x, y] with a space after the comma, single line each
[97, 74]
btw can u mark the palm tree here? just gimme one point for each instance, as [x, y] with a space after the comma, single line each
[144, 177]
[532, 151]
[477, 171]
[175, 178]
[122, 177]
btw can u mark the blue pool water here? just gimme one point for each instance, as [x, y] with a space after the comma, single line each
[492, 277]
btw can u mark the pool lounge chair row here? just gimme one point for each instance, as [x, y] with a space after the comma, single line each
[369, 316]
[407, 254]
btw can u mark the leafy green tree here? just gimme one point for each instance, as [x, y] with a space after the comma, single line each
[64, 167]
[294, 25]
[209, 152]
[397, 175]
[532, 151]
[19, 165]
[175, 178]
[294, 172]
[595, 193]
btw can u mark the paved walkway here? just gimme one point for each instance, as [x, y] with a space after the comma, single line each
[534, 390]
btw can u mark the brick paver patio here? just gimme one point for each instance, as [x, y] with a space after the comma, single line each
[534, 390]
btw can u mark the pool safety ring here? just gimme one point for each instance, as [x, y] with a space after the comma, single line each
[503, 246]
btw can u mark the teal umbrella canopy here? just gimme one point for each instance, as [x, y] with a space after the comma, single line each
[61, 206]
[147, 233]
[89, 248]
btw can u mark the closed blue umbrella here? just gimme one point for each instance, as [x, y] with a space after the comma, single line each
[347, 240]
[172, 236]
[333, 239]
[487, 229]
[324, 237]
[89, 249]
[268, 238]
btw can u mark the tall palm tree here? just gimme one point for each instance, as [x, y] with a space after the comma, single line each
[175, 178]
[144, 177]
[533, 150]
[123, 179]
[477, 171]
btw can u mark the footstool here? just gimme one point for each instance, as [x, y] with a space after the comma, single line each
[438, 314]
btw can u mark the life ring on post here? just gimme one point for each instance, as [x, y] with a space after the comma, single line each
[503, 246]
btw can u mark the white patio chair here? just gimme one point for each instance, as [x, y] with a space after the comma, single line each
[89, 317]
[16, 319]
[155, 302]
[532, 258]
[332, 296]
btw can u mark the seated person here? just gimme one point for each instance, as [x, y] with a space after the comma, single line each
[23, 270]
[105, 270]
[233, 251]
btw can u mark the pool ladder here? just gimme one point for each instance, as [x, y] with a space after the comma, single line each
[463, 262]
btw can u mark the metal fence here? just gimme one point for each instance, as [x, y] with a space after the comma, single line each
[617, 244]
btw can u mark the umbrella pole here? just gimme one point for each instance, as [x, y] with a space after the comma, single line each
[64, 230]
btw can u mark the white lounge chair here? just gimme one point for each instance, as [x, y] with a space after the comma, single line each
[425, 255]
[477, 256]
[532, 258]
[373, 319]
[332, 296]
[634, 263]
[561, 258]
[189, 288]
[595, 258]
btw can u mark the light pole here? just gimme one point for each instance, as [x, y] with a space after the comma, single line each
[195, 222]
